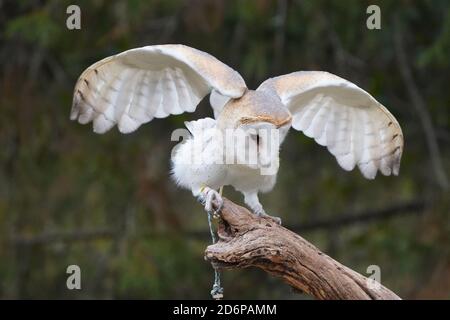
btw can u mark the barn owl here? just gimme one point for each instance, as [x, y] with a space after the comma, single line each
[138, 85]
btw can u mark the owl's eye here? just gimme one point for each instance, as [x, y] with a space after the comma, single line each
[257, 138]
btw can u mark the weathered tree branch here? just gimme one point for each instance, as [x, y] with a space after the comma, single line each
[246, 240]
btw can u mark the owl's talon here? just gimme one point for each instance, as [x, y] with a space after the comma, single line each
[275, 219]
[216, 213]
[207, 197]
[262, 213]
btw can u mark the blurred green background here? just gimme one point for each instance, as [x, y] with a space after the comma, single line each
[107, 203]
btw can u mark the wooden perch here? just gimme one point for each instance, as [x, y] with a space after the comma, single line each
[246, 240]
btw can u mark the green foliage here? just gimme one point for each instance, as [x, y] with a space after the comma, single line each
[36, 27]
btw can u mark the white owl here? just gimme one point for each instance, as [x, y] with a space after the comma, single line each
[135, 86]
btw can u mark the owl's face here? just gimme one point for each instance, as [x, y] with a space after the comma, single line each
[262, 144]
[259, 123]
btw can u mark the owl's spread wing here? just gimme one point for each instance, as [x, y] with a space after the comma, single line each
[135, 86]
[354, 127]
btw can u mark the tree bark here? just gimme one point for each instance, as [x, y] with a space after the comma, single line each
[246, 240]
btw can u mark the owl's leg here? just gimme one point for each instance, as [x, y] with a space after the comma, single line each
[252, 200]
[207, 196]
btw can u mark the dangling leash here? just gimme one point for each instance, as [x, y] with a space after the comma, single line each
[217, 290]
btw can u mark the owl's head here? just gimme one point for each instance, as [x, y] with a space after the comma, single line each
[260, 123]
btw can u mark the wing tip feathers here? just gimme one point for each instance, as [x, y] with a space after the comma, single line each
[127, 124]
[102, 124]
